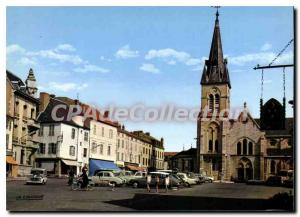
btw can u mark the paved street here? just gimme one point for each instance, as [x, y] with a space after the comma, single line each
[57, 196]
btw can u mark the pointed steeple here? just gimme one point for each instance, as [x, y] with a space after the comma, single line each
[31, 75]
[215, 69]
[30, 82]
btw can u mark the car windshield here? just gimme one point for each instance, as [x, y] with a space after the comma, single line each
[191, 175]
[117, 174]
[36, 172]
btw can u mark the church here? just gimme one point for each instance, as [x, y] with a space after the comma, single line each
[242, 148]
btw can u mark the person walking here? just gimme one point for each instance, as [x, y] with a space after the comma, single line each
[71, 176]
[148, 182]
[167, 182]
[157, 183]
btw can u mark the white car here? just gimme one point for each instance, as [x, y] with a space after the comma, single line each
[140, 174]
[126, 175]
[186, 179]
[106, 178]
[37, 176]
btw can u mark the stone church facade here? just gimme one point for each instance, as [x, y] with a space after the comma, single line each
[236, 148]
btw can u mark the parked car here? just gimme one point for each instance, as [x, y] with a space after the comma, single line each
[142, 181]
[255, 182]
[200, 178]
[140, 174]
[195, 176]
[285, 175]
[274, 181]
[125, 175]
[105, 177]
[190, 181]
[37, 176]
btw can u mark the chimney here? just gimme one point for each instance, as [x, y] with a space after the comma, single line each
[106, 114]
[52, 95]
[123, 127]
[76, 101]
[162, 141]
[44, 100]
[147, 133]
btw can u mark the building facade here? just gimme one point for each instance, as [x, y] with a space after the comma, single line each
[129, 150]
[63, 145]
[156, 151]
[184, 161]
[25, 125]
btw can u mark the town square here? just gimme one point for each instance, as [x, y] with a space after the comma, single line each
[123, 109]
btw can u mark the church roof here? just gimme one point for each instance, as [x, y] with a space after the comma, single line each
[215, 69]
[289, 126]
[192, 152]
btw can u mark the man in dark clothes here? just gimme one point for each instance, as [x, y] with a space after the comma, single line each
[85, 180]
[71, 176]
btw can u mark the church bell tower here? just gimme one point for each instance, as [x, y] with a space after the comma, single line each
[215, 103]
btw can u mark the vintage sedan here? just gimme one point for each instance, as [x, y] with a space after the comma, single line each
[125, 175]
[106, 178]
[142, 181]
[37, 176]
[188, 180]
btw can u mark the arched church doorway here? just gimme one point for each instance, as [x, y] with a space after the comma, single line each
[244, 170]
[240, 172]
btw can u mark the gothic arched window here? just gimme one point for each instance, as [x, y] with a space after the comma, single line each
[250, 148]
[216, 146]
[239, 148]
[211, 103]
[244, 146]
[210, 145]
[217, 102]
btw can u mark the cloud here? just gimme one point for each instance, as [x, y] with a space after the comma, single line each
[171, 62]
[169, 55]
[266, 46]
[15, 48]
[149, 68]
[102, 58]
[53, 54]
[27, 61]
[125, 52]
[91, 68]
[65, 87]
[261, 58]
[65, 47]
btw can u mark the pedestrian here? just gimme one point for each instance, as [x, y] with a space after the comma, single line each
[112, 185]
[71, 176]
[148, 182]
[85, 180]
[157, 183]
[84, 169]
[167, 182]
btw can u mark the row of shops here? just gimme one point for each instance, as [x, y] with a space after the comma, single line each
[61, 167]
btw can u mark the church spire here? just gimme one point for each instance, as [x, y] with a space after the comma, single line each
[215, 69]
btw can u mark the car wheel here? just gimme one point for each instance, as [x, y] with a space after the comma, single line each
[135, 184]
[210, 181]
[187, 184]
[114, 184]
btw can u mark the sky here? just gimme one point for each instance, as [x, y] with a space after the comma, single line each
[150, 55]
